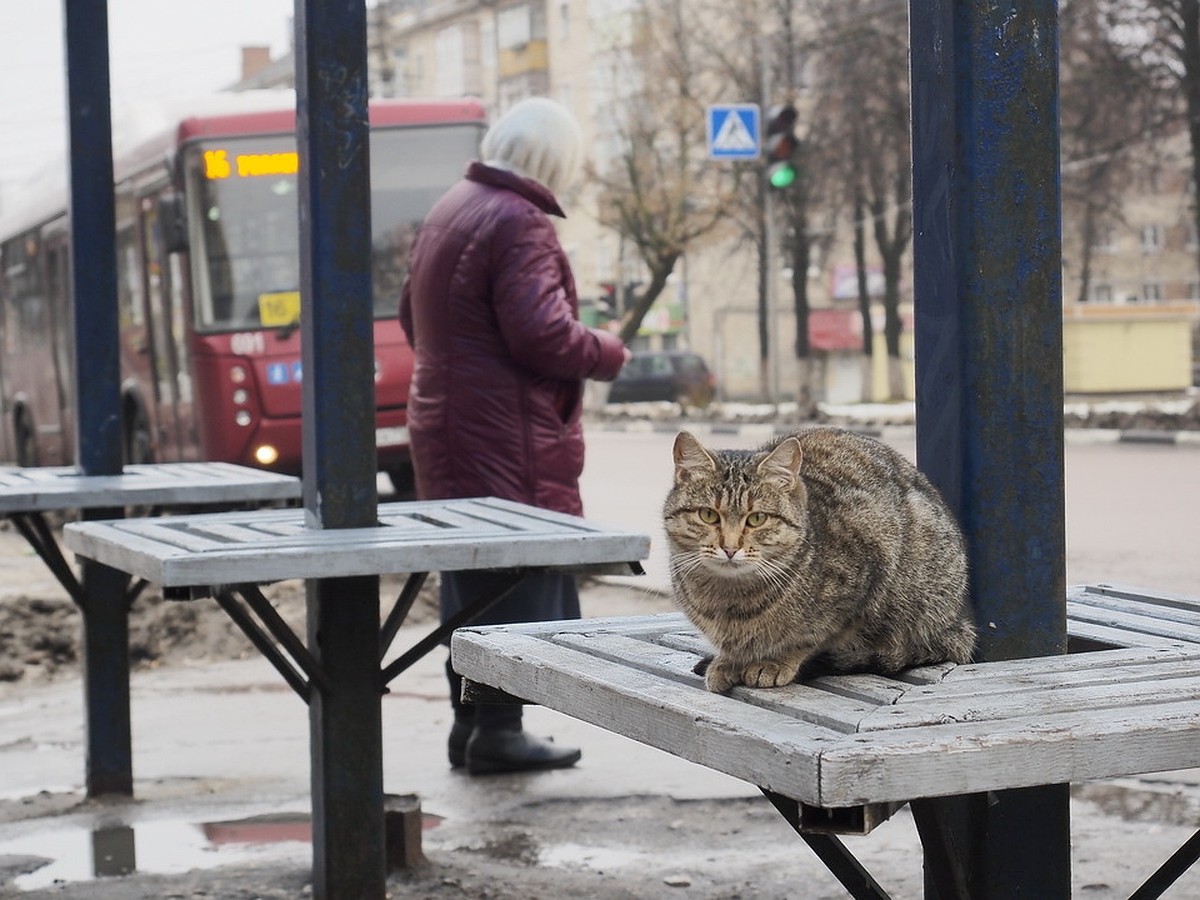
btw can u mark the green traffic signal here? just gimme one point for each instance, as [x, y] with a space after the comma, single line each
[782, 175]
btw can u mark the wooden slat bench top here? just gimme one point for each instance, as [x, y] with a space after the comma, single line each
[865, 739]
[264, 546]
[48, 488]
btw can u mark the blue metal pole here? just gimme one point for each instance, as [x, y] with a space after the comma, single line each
[988, 333]
[93, 239]
[338, 351]
[337, 319]
[104, 608]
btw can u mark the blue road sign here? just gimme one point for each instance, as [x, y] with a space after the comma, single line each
[734, 131]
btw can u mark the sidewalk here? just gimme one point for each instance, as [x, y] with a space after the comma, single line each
[224, 742]
[1171, 419]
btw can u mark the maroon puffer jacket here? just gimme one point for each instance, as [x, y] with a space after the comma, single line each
[490, 309]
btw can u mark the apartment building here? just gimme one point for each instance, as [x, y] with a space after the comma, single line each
[1131, 329]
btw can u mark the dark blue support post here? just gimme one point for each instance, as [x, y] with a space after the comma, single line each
[109, 766]
[339, 448]
[987, 257]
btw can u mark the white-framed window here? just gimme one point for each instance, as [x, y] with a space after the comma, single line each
[1152, 292]
[1152, 238]
[449, 74]
[1101, 293]
[514, 27]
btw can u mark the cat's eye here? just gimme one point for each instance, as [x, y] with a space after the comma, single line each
[756, 519]
[708, 515]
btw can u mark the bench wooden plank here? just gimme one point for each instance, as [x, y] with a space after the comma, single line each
[1135, 622]
[690, 722]
[807, 703]
[47, 488]
[998, 703]
[853, 740]
[969, 757]
[263, 546]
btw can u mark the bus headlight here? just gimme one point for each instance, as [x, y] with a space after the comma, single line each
[242, 417]
[237, 375]
[265, 455]
[240, 396]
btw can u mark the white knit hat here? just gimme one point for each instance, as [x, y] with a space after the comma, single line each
[539, 139]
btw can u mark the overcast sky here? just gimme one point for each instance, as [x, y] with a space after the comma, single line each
[157, 48]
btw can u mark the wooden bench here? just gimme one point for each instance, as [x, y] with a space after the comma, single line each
[103, 596]
[342, 675]
[839, 754]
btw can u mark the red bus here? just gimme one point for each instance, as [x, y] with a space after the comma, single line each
[208, 285]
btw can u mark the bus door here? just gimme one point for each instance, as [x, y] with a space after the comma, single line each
[32, 376]
[167, 349]
[62, 330]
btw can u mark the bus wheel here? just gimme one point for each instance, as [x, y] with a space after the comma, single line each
[137, 437]
[26, 438]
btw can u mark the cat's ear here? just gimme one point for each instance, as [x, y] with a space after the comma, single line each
[691, 460]
[783, 463]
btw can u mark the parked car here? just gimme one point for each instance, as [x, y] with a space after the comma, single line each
[678, 376]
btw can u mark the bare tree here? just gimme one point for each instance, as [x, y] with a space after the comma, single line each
[865, 84]
[1162, 39]
[659, 191]
[1108, 109]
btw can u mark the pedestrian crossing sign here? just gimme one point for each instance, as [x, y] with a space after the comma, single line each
[734, 131]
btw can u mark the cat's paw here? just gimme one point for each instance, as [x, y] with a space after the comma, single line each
[720, 677]
[701, 667]
[769, 674]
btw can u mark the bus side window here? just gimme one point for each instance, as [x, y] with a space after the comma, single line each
[129, 279]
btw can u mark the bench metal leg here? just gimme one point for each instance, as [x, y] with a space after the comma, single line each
[109, 764]
[832, 852]
[345, 720]
[37, 533]
[1170, 871]
[971, 840]
[300, 670]
[945, 878]
[504, 582]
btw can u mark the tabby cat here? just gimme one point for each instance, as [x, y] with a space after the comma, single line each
[823, 552]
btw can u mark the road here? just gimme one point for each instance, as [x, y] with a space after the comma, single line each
[1132, 510]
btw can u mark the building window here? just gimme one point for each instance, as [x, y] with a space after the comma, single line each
[449, 77]
[1193, 290]
[1152, 292]
[1191, 235]
[515, 27]
[1152, 238]
[564, 20]
[1105, 237]
[1102, 293]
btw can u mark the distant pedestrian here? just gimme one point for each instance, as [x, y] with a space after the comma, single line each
[490, 308]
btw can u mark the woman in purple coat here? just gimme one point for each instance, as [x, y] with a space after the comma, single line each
[490, 309]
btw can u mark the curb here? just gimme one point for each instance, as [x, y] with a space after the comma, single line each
[765, 431]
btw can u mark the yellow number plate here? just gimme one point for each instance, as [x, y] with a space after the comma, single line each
[280, 308]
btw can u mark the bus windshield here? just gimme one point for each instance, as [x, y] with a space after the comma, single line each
[243, 219]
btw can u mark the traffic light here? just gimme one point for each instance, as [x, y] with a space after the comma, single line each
[781, 145]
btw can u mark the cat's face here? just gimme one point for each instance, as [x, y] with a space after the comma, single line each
[733, 514]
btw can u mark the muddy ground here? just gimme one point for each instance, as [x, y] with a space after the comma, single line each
[694, 848]
[631, 846]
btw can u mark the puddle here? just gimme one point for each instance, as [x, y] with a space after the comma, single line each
[165, 847]
[160, 847]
